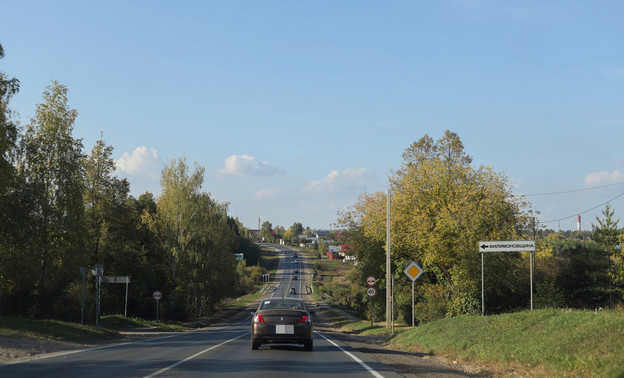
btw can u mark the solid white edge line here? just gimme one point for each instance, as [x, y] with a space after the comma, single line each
[364, 365]
[193, 356]
[118, 344]
[63, 354]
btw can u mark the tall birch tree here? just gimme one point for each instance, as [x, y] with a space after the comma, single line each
[53, 168]
[177, 208]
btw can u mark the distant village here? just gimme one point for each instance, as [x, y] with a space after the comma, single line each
[314, 240]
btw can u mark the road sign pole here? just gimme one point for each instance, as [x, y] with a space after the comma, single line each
[82, 274]
[97, 301]
[371, 311]
[413, 303]
[482, 287]
[531, 267]
[126, 306]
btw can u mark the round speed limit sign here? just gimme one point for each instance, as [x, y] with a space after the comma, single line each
[371, 292]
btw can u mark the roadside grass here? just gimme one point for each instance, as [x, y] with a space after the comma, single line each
[121, 323]
[269, 260]
[534, 343]
[52, 330]
[110, 325]
[242, 302]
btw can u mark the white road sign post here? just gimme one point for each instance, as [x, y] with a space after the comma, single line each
[157, 295]
[371, 292]
[505, 246]
[413, 271]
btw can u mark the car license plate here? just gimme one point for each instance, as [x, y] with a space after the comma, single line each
[288, 329]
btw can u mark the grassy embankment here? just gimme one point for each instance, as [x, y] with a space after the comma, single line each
[535, 343]
[58, 330]
[543, 342]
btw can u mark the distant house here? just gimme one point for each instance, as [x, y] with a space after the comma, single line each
[322, 234]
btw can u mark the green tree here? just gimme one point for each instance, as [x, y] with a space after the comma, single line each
[295, 230]
[13, 233]
[174, 222]
[53, 168]
[583, 276]
[279, 232]
[606, 233]
[8, 142]
[113, 223]
[441, 208]
[209, 273]
[266, 232]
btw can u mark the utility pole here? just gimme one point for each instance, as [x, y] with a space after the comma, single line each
[388, 269]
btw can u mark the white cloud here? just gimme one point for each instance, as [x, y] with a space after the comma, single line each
[334, 181]
[246, 166]
[267, 193]
[142, 162]
[604, 178]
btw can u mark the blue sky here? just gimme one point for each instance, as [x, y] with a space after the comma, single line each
[296, 108]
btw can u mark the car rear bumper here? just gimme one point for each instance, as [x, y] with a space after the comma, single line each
[269, 334]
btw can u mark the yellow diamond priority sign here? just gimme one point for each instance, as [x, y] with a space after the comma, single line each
[413, 271]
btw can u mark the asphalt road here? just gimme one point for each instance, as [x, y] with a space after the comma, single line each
[221, 350]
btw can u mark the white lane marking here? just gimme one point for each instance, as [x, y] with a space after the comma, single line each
[122, 344]
[364, 365]
[63, 353]
[193, 356]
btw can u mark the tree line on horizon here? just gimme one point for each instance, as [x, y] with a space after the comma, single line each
[62, 209]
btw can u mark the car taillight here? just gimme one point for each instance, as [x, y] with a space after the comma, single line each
[258, 319]
[305, 319]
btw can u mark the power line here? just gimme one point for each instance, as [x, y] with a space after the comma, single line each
[572, 191]
[586, 211]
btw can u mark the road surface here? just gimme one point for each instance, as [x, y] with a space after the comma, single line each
[222, 350]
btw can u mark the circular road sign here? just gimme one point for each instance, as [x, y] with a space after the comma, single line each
[371, 292]
[370, 281]
[157, 295]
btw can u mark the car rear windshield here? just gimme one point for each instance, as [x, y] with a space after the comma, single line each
[281, 304]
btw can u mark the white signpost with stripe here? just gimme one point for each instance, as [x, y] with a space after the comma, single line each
[505, 246]
[413, 271]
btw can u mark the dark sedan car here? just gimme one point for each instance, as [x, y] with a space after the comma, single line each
[282, 321]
